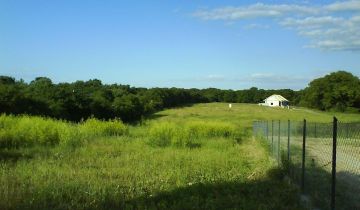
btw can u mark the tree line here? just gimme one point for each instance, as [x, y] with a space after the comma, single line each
[337, 91]
[83, 99]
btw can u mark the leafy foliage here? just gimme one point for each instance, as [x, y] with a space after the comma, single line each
[338, 91]
[82, 100]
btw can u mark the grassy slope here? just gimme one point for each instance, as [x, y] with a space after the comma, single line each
[244, 114]
[126, 173]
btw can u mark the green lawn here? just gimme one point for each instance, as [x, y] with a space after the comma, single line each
[244, 114]
[217, 166]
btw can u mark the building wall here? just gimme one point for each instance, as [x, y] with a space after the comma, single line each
[272, 102]
[276, 101]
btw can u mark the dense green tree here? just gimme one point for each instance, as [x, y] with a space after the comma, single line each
[83, 99]
[128, 107]
[7, 80]
[336, 91]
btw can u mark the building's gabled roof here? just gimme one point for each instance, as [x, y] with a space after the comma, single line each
[276, 98]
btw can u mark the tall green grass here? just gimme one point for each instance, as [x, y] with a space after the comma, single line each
[188, 134]
[25, 131]
[95, 128]
[152, 167]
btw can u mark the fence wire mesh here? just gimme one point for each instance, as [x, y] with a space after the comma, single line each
[311, 166]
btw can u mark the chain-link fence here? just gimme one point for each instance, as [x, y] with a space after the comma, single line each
[322, 158]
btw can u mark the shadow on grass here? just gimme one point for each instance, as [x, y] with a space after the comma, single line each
[17, 154]
[318, 179]
[272, 193]
[13, 156]
[155, 116]
[348, 190]
[318, 186]
[193, 145]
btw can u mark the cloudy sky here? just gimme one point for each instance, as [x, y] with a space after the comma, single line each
[223, 44]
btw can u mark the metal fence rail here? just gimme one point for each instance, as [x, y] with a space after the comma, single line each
[322, 158]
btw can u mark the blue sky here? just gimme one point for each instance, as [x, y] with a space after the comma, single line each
[222, 44]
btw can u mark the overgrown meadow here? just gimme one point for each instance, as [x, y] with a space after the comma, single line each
[196, 157]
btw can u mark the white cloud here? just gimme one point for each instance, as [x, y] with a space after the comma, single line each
[261, 80]
[215, 77]
[271, 78]
[256, 26]
[355, 19]
[312, 22]
[325, 26]
[353, 5]
[256, 77]
[328, 33]
[336, 45]
[261, 75]
[253, 11]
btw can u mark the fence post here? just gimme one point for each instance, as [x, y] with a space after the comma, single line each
[333, 168]
[263, 129]
[267, 130]
[253, 130]
[272, 137]
[279, 133]
[288, 145]
[303, 159]
[315, 131]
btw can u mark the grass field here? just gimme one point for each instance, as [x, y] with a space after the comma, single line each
[195, 157]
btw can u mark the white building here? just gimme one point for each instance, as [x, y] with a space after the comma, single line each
[276, 101]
